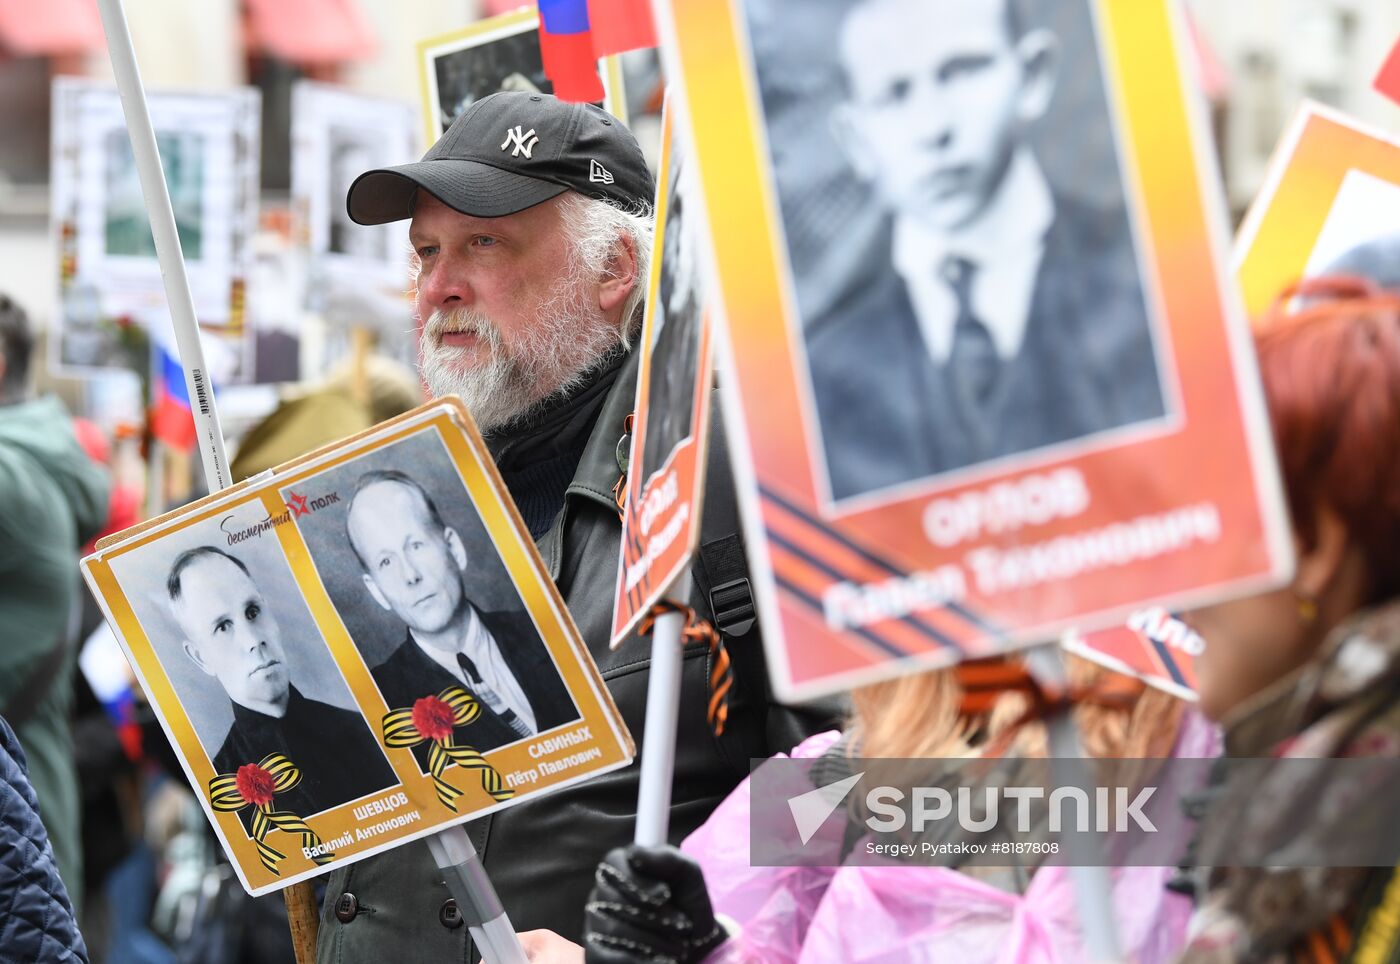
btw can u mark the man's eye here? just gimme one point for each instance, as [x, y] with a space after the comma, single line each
[384, 562]
[426, 250]
[223, 626]
[485, 241]
[252, 612]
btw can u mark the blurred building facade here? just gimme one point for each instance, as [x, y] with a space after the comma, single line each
[209, 45]
[1276, 53]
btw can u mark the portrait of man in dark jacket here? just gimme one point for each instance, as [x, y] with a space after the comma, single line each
[1005, 314]
[231, 634]
[417, 567]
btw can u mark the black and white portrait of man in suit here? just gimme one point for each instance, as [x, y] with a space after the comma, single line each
[998, 311]
[676, 328]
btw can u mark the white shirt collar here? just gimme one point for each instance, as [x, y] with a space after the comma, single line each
[1006, 244]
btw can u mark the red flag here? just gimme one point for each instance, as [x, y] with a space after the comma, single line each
[1388, 80]
[571, 66]
[620, 25]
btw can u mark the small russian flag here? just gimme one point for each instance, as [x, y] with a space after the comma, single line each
[575, 33]
[1388, 80]
[172, 422]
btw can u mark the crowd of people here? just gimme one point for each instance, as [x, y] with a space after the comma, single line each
[530, 283]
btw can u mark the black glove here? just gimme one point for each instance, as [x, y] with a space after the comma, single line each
[649, 904]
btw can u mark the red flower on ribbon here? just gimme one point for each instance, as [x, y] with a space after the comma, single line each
[432, 718]
[254, 784]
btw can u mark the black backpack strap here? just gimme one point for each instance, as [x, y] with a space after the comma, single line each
[721, 571]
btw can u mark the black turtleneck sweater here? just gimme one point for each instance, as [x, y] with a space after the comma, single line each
[538, 455]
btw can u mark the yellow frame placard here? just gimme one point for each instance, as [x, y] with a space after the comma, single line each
[1320, 151]
[418, 803]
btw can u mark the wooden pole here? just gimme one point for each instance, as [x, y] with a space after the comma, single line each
[303, 917]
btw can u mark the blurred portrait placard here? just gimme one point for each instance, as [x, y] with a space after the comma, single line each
[490, 55]
[357, 651]
[109, 280]
[1330, 205]
[1153, 646]
[660, 523]
[356, 274]
[970, 270]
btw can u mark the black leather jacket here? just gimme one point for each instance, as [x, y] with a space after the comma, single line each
[541, 856]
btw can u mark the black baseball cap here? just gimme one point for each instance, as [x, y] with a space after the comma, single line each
[508, 152]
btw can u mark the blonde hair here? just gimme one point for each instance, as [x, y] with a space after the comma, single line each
[919, 716]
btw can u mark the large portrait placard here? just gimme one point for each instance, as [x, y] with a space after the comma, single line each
[989, 383]
[1330, 205]
[357, 651]
[665, 477]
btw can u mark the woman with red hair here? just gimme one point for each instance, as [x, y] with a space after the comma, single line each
[1313, 669]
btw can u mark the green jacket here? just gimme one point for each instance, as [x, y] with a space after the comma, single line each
[52, 500]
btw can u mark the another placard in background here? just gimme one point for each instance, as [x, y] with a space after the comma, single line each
[1153, 646]
[665, 475]
[356, 274]
[494, 54]
[109, 280]
[1330, 205]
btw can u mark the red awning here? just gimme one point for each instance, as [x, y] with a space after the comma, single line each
[309, 31]
[49, 27]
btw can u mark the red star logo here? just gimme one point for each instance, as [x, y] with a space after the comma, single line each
[298, 505]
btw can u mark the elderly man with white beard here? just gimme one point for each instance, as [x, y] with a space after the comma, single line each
[532, 223]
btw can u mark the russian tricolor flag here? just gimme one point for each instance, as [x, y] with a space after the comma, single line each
[575, 33]
[172, 422]
[1388, 80]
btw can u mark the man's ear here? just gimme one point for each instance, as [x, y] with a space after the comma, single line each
[1039, 53]
[196, 657]
[619, 275]
[845, 130]
[375, 593]
[455, 546]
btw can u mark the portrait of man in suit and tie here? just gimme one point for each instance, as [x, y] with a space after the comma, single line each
[416, 566]
[1002, 313]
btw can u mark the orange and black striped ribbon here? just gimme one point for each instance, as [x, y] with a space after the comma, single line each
[984, 681]
[697, 630]
[400, 731]
[225, 797]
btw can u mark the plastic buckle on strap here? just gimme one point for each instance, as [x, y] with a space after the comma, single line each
[732, 604]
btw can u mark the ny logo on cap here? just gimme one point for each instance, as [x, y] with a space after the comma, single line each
[524, 143]
[599, 174]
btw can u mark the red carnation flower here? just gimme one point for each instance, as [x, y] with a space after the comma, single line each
[254, 784]
[432, 718]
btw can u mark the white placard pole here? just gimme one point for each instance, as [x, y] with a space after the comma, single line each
[477, 902]
[167, 238]
[659, 734]
[1093, 888]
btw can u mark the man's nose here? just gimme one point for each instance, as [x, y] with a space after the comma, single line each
[411, 574]
[931, 115]
[445, 286]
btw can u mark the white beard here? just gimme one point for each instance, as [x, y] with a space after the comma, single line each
[569, 335]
